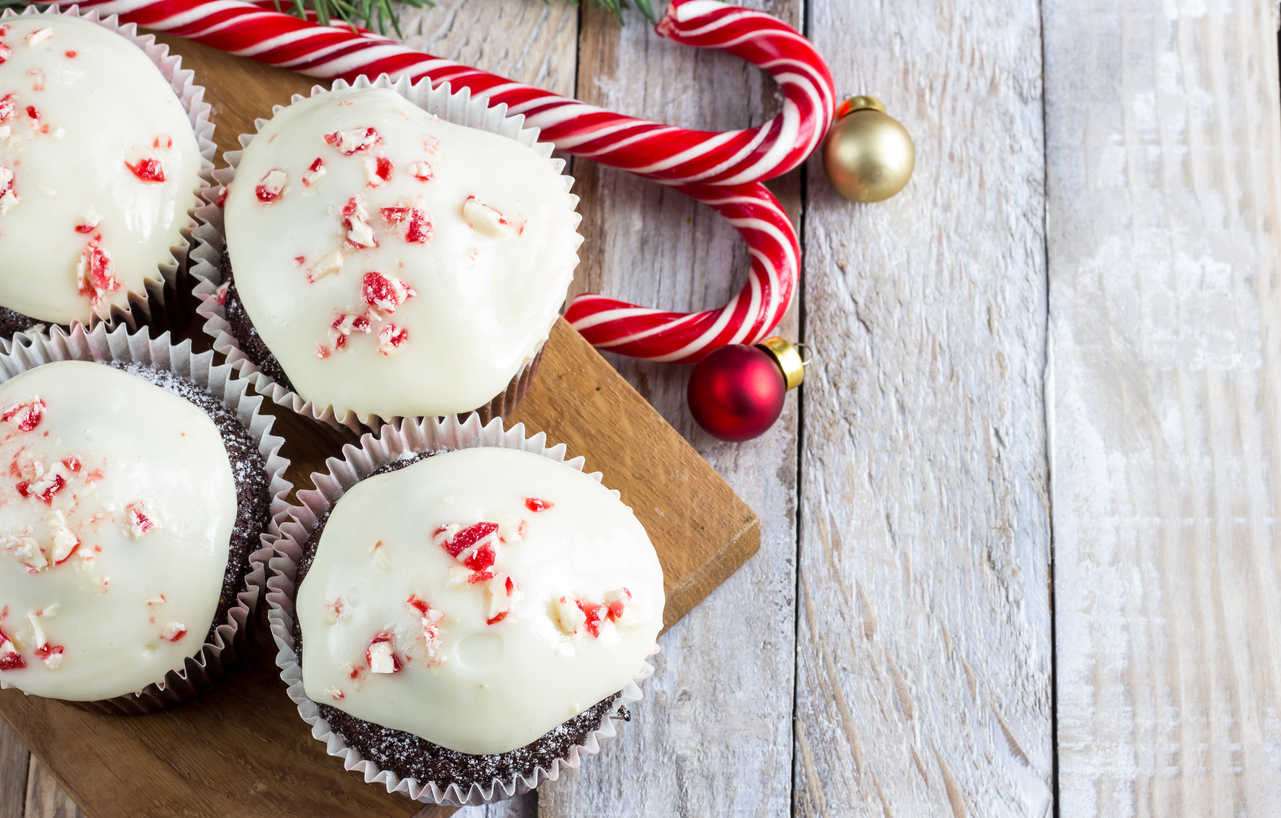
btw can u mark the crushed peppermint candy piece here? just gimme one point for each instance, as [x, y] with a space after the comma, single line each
[456, 539]
[410, 221]
[535, 505]
[35, 38]
[391, 338]
[593, 611]
[10, 658]
[65, 542]
[484, 219]
[335, 694]
[567, 615]
[222, 196]
[344, 325]
[147, 170]
[8, 198]
[89, 220]
[51, 655]
[384, 293]
[614, 603]
[174, 631]
[380, 655]
[28, 552]
[5, 51]
[271, 186]
[7, 106]
[359, 233]
[327, 265]
[431, 623]
[24, 415]
[499, 591]
[137, 521]
[95, 275]
[353, 141]
[221, 295]
[378, 170]
[314, 173]
[334, 612]
[421, 171]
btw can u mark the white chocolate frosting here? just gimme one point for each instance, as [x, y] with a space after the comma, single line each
[97, 185]
[395, 264]
[403, 626]
[112, 563]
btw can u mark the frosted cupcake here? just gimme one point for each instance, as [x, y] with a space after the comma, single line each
[99, 171]
[466, 621]
[132, 505]
[388, 264]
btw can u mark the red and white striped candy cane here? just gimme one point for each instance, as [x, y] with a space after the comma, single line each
[723, 170]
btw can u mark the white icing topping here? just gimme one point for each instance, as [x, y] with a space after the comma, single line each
[401, 629]
[477, 226]
[71, 189]
[131, 547]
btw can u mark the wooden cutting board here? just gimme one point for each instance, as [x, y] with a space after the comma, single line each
[241, 749]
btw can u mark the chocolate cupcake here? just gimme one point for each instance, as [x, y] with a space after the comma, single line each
[103, 143]
[131, 522]
[381, 262]
[468, 621]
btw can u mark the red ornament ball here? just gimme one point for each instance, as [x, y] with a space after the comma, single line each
[736, 392]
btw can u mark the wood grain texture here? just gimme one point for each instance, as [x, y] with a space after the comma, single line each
[924, 641]
[15, 761]
[45, 799]
[1164, 146]
[210, 756]
[713, 734]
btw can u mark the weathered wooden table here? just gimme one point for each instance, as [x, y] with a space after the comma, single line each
[1020, 525]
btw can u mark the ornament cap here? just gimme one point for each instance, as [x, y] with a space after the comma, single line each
[788, 358]
[859, 103]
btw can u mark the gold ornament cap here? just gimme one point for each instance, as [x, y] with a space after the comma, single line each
[868, 155]
[788, 358]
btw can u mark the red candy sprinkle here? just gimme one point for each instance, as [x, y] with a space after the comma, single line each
[33, 113]
[148, 170]
[354, 141]
[592, 611]
[418, 604]
[496, 619]
[382, 171]
[271, 185]
[6, 107]
[24, 415]
[72, 463]
[535, 505]
[313, 174]
[465, 538]
[55, 485]
[10, 659]
[412, 223]
[5, 51]
[71, 55]
[482, 558]
[384, 292]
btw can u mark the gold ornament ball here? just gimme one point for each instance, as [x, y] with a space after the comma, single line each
[868, 155]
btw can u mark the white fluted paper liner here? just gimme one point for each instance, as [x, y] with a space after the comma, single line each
[164, 296]
[33, 348]
[392, 443]
[458, 109]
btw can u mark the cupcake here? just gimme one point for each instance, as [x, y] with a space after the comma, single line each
[130, 527]
[99, 171]
[382, 262]
[468, 621]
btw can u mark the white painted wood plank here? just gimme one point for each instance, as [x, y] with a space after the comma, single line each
[1164, 145]
[713, 735]
[924, 634]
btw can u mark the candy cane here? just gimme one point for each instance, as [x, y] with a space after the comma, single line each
[722, 170]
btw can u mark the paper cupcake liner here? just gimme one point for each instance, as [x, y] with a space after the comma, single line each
[458, 109]
[163, 305]
[394, 441]
[32, 349]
